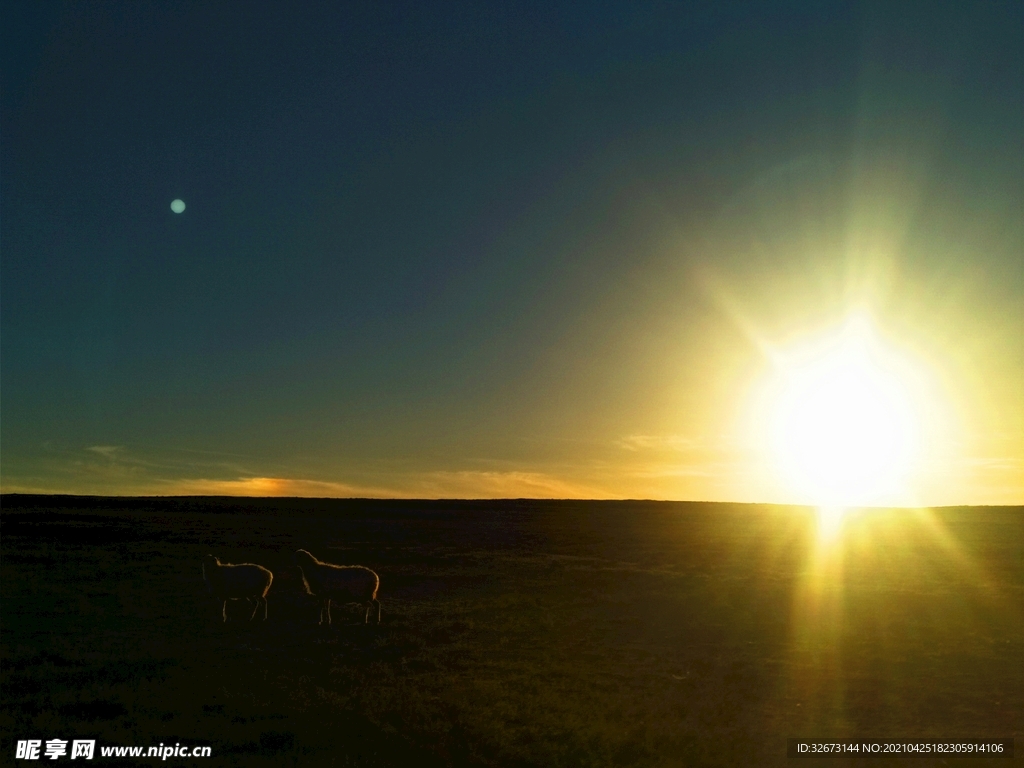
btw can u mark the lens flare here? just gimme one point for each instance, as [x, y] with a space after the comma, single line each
[830, 522]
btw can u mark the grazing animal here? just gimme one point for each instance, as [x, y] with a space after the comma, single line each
[341, 583]
[244, 581]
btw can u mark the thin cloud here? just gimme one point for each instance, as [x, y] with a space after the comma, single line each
[689, 470]
[995, 462]
[270, 486]
[107, 451]
[659, 442]
[431, 485]
[503, 485]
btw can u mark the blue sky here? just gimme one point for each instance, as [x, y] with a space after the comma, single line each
[438, 249]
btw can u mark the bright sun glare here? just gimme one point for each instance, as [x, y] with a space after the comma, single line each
[843, 429]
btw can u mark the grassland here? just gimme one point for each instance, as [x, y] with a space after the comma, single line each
[514, 633]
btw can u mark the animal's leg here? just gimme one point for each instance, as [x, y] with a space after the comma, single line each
[266, 607]
[224, 611]
[321, 612]
[369, 607]
[254, 608]
[327, 607]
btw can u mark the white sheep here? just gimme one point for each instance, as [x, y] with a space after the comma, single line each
[243, 581]
[341, 583]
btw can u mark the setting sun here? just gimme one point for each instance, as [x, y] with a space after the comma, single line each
[843, 426]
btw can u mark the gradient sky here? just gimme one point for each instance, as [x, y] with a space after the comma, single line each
[494, 250]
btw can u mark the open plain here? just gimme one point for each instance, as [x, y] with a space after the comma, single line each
[514, 633]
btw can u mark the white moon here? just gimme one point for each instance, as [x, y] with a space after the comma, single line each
[177, 206]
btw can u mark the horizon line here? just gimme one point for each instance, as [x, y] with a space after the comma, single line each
[487, 499]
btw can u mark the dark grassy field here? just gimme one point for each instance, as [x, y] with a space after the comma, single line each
[514, 633]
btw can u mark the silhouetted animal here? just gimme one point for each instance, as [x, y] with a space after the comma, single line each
[237, 582]
[341, 583]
